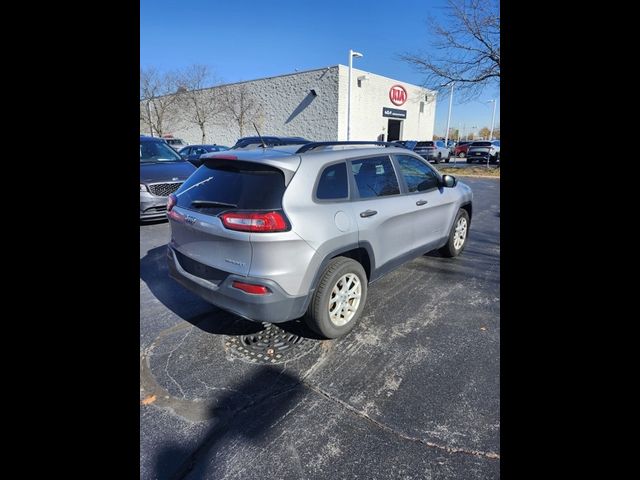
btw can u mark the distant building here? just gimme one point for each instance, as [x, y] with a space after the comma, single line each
[313, 104]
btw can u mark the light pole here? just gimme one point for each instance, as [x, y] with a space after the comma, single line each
[446, 137]
[493, 118]
[351, 55]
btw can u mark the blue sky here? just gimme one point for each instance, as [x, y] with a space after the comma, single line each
[248, 39]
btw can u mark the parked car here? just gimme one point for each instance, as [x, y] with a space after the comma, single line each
[271, 141]
[483, 150]
[429, 150]
[461, 148]
[175, 143]
[192, 153]
[162, 171]
[275, 235]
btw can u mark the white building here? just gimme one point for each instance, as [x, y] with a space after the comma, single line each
[313, 104]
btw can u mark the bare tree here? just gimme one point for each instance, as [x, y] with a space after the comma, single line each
[241, 104]
[465, 48]
[157, 98]
[200, 103]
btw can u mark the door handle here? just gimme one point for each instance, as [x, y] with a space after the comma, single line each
[368, 213]
[421, 202]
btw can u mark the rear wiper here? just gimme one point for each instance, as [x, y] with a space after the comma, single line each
[209, 203]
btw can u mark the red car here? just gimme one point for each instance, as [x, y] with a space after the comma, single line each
[461, 149]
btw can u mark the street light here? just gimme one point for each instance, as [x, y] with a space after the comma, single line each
[446, 137]
[493, 117]
[351, 55]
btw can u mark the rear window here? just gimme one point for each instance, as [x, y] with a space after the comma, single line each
[333, 183]
[232, 184]
[424, 144]
[481, 144]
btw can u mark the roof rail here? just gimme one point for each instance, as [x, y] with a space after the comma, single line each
[312, 145]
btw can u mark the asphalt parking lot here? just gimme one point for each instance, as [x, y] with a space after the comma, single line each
[413, 392]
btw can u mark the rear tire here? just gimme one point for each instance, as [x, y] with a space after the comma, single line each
[457, 236]
[339, 300]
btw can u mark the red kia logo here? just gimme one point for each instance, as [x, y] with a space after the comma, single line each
[397, 95]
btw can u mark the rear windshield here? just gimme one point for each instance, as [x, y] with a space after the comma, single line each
[232, 184]
[424, 144]
[481, 144]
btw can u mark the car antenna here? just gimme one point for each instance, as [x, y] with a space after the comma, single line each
[264, 145]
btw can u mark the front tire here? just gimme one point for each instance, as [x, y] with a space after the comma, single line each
[458, 235]
[339, 300]
[461, 154]
[438, 158]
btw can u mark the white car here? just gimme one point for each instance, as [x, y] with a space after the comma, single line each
[175, 143]
[484, 151]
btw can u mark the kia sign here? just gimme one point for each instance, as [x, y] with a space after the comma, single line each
[397, 95]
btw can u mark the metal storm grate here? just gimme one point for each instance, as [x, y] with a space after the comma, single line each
[164, 189]
[271, 345]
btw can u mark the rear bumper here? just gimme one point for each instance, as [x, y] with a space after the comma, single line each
[431, 155]
[484, 156]
[275, 307]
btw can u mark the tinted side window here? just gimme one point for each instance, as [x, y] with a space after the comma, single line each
[375, 177]
[419, 177]
[333, 182]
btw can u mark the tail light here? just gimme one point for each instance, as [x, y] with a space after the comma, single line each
[171, 202]
[251, 288]
[255, 221]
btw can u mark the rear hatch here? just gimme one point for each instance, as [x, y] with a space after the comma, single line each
[424, 148]
[222, 188]
[479, 149]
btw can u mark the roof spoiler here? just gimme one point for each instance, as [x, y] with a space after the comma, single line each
[312, 145]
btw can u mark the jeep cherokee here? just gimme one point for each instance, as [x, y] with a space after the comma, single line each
[275, 234]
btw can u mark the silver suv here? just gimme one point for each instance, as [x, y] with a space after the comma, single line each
[277, 234]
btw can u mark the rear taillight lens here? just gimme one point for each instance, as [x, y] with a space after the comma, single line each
[251, 288]
[171, 202]
[255, 221]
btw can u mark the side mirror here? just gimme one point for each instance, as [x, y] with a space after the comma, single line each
[449, 181]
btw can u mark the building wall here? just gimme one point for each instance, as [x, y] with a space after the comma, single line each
[367, 101]
[288, 109]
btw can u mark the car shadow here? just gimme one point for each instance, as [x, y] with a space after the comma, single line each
[244, 413]
[191, 308]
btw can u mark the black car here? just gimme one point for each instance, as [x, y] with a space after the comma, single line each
[255, 142]
[162, 171]
[192, 153]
